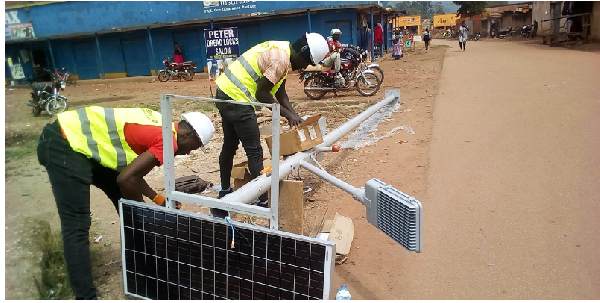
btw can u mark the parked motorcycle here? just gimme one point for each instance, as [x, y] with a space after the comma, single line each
[47, 96]
[348, 52]
[526, 31]
[319, 80]
[176, 71]
[447, 34]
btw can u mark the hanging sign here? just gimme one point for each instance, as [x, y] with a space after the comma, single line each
[222, 47]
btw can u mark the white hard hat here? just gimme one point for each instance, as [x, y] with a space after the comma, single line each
[318, 47]
[336, 31]
[201, 124]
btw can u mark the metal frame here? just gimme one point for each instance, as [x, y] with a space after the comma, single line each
[237, 201]
[329, 261]
[172, 195]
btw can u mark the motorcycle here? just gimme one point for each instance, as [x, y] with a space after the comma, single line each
[526, 31]
[363, 61]
[176, 70]
[47, 96]
[319, 80]
[447, 34]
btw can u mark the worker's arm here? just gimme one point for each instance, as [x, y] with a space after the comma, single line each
[263, 94]
[131, 179]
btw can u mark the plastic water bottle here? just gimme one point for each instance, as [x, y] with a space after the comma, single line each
[343, 293]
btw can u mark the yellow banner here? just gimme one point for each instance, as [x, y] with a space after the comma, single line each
[408, 20]
[444, 20]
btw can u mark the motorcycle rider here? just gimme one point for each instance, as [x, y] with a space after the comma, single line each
[112, 149]
[334, 56]
[259, 76]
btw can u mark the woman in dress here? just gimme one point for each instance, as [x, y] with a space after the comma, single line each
[397, 40]
[177, 54]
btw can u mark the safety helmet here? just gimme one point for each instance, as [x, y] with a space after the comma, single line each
[201, 124]
[336, 31]
[318, 47]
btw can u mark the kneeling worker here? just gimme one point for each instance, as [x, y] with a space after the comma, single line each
[112, 149]
[258, 75]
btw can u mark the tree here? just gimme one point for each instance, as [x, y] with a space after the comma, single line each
[470, 8]
[439, 8]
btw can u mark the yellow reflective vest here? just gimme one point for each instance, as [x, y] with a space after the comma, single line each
[98, 132]
[240, 80]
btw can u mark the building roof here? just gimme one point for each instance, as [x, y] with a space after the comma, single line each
[516, 7]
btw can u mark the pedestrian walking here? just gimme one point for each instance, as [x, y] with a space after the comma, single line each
[535, 29]
[426, 38]
[463, 32]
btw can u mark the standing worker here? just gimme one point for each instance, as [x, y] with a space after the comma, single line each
[259, 76]
[112, 149]
[463, 32]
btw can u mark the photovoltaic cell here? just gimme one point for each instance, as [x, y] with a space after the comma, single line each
[170, 254]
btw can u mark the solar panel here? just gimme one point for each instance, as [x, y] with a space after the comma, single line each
[172, 254]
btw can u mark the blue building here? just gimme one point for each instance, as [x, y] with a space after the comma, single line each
[112, 39]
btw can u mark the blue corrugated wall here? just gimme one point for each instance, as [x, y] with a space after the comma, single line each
[81, 56]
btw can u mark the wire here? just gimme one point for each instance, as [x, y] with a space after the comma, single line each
[232, 232]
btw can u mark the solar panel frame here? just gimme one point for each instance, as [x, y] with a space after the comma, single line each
[176, 261]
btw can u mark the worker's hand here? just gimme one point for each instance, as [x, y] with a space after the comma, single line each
[294, 120]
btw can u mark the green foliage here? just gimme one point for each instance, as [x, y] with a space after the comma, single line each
[424, 8]
[470, 8]
[54, 282]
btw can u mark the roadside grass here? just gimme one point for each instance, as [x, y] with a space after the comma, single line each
[54, 284]
[20, 146]
[16, 149]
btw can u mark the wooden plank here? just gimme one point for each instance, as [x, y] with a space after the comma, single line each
[317, 227]
[291, 206]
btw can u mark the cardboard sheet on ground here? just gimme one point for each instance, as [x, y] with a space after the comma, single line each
[341, 231]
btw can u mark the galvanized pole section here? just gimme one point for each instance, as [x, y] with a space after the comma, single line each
[51, 54]
[100, 57]
[168, 149]
[152, 49]
[372, 37]
[260, 185]
[309, 25]
[211, 24]
[275, 166]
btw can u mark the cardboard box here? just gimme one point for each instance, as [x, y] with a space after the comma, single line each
[241, 174]
[341, 231]
[307, 135]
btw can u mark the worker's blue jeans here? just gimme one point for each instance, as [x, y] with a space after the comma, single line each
[239, 124]
[71, 174]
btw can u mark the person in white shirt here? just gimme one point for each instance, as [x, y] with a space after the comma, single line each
[463, 32]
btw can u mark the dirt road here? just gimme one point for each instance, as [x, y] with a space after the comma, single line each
[504, 159]
[512, 202]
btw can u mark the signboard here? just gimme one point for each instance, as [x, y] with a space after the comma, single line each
[417, 39]
[222, 47]
[211, 7]
[444, 20]
[14, 28]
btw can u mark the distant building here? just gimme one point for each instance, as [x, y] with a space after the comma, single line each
[112, 39]
[410, 23]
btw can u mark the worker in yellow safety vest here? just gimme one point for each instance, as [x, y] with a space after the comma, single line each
[258, 75]
[112, 149]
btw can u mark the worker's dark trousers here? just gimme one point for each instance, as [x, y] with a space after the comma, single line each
[71, 174]
[239, 124]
